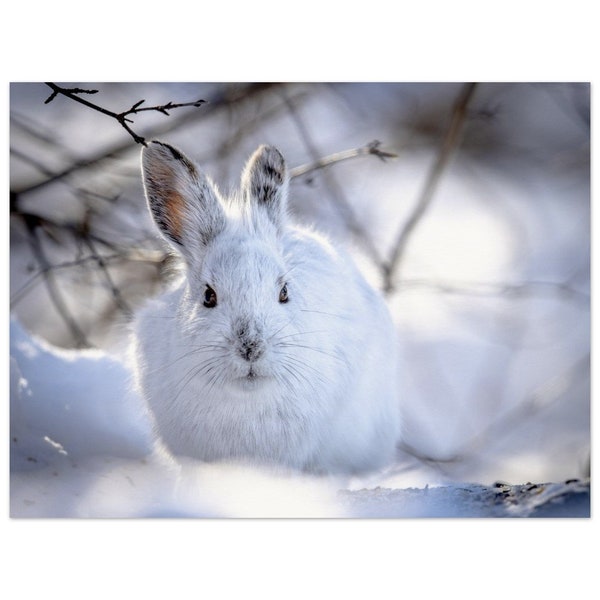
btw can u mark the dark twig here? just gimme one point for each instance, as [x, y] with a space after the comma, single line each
[449, 145]
[122, 117]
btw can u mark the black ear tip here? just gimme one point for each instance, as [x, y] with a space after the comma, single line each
[158, 151]
[271, 154]
[154, 143]
[153, 147]
[268, 160]
[176, 154]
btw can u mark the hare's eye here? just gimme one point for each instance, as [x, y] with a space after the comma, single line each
[210, 297]
[283, 294]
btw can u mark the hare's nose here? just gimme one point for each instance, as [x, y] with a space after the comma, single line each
[250, 346]
[250, 350]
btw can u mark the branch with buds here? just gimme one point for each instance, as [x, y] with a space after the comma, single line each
[122, 117]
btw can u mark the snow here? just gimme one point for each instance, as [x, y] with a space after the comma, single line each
[82, 446]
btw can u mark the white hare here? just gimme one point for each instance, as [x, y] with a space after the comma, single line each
[272, 348]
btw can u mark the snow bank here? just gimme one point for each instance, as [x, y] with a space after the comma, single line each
[82, 446]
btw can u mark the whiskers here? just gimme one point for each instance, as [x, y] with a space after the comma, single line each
[300, 373]
[192, 350]
[299, 362]
[289, 341]
[212, 371]
[328, 314]
[208, 362]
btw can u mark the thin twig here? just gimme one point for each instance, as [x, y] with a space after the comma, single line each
[372, 148]
[122, 117]
[449, 145]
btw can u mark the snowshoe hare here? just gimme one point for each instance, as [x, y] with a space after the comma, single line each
[272, 348]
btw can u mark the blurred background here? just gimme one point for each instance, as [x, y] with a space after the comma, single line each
[467, 205]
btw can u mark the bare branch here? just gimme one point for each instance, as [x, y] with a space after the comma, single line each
[163, 109]
[449, 145]
[57, 91]
[372, 148]
[74, 94]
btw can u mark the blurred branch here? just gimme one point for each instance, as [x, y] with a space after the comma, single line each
[372, 148]
[572, 99]
[340, 201]
[449, 145]
[541, 398]
[32, 225]
[122, 117]
[130, 256]
[102, 264]
[493, 290]
[30, 160]
[243, 124]
[36, 130]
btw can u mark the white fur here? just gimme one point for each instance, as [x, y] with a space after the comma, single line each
[323, 395]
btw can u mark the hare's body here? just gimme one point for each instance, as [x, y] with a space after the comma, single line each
[272, 348]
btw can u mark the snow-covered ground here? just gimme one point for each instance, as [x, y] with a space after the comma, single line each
[82, 446]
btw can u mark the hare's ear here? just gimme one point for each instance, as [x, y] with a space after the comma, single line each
[265, 183]
[183, 202]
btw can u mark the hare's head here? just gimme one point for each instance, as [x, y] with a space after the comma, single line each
[239, 290]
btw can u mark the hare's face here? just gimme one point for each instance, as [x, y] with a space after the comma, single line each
[241, 301]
